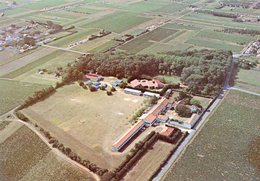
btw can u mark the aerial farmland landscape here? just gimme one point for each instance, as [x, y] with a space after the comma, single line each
[133, 90]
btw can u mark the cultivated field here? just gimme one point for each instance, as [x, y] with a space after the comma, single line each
[226, 146]
[89, 121]
[32, 159]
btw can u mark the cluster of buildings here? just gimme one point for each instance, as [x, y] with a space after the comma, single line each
[147, 119]
[27, 37]
[253, 49]
[94, 80]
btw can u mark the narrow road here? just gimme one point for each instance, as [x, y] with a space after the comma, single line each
[44, 139]
[65, 49]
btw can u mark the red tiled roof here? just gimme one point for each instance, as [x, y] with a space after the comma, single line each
[150, 118]
[167, 131]
[118, 144]
[148, 83]
[159, 106]
[92, 76]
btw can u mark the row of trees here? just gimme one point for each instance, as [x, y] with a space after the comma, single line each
[220, 14]
[38, 96]
[203, 71]
[241, 31]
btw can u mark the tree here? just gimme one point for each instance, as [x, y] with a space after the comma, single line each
[109, 93]
[194, 101]
[113, 89]
[92, 88]
[183, 110]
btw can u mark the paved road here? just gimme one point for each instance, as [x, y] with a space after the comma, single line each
[246, 91]
[200, 123]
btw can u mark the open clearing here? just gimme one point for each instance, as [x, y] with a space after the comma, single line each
[226, 146]
[13, 93]
[32, 159]
[90, 121]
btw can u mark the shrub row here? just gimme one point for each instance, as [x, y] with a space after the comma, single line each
[72, 155]
[37, 96]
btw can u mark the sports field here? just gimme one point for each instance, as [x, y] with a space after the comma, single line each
[90, 121]
[227, 146]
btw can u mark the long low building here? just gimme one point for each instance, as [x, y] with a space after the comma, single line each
[151, 94]
[132, 91]
[121, 142]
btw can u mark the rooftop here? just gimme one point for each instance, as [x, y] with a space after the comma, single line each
[128, 134]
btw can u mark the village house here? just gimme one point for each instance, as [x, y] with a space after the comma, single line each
[151, 84]
[93, 77]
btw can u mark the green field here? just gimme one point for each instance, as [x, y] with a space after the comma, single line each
[214, 44]
[117, 22]
[13, 93]
[227, 147]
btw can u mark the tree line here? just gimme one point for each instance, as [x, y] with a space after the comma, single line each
[202, 71]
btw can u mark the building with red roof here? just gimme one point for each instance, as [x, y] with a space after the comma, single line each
[167, 131]
[151, 84]
[93, 77]
[156, 111]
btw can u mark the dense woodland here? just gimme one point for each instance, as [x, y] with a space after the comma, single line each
[202, 71]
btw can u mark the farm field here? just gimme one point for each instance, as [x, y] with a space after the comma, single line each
[117, 22]
[92, 119]
[36, 160]
[150, 162]
[13, 93]
[146, 40]
[227, 146]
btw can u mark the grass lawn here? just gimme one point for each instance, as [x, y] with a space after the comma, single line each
[227, 146]
[248, 79]
[117, 22]
[36, 161]
[13, 93]
[170, 79]
[89, 122]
